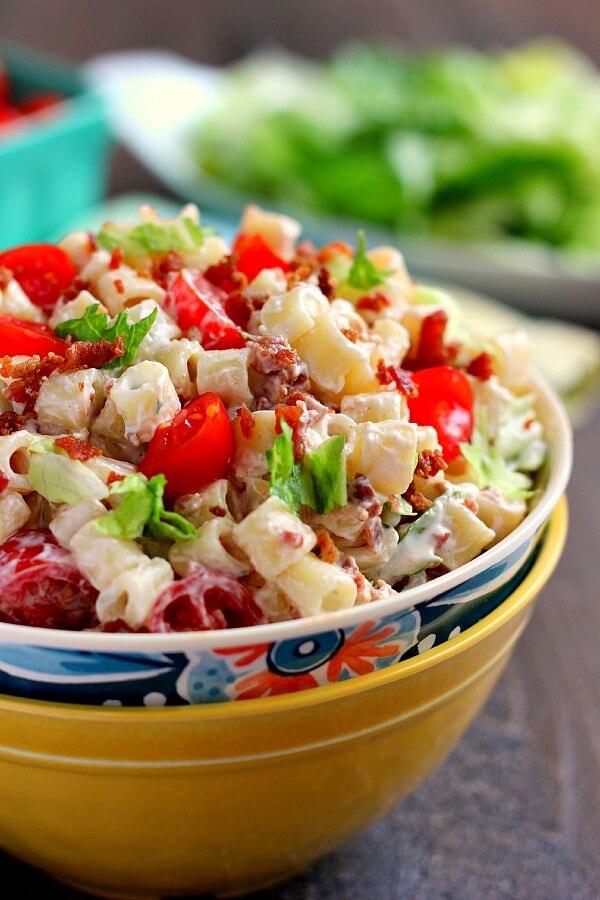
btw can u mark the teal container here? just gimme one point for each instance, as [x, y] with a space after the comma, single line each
[51, 169]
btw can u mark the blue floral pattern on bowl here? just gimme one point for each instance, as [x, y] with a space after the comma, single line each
[218, 674]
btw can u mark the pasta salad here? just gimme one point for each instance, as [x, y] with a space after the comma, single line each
[195, 436]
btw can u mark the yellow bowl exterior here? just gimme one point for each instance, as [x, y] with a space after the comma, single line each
[232, 797]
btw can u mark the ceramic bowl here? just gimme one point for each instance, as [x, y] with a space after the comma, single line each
[285, 657]
[231, 797]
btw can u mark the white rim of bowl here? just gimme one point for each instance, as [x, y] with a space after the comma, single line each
[559, 436]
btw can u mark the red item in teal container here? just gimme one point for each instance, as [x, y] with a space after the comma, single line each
[53, 164]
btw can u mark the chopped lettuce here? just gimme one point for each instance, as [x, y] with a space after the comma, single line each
[152, 237]
[61, 479]
[141, 511]
[319, 481]
[289, 480]
[490, 469]
[328, 472]
[94, 326]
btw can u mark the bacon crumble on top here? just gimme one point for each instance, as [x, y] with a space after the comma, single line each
[247, 421]
[482, 367]
[429, 463]
[417, 500]
[29, 374]
[75, 448]
[325, 548]
[398, 376]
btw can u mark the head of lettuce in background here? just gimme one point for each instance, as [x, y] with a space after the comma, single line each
[456, 143]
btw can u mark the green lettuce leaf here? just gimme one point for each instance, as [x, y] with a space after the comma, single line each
[364, 274]
[152, 237]
[141, 511]
[62, 480]
[289, 480]
[94, 326]
[328, 472]
[319, 481]
[490, 469]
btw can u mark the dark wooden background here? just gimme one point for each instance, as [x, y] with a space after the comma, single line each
[514, 813]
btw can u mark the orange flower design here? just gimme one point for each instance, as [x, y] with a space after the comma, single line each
[361, 649]
[246, 655]
[269, 684]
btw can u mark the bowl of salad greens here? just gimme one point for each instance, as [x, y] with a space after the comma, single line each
[483, 166]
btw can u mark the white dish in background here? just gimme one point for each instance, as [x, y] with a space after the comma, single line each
[155, 97]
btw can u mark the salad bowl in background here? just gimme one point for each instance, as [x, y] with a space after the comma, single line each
[161, 105]
[232, 797]
[285, 657]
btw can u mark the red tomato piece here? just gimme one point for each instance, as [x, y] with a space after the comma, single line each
[193, 449]
[253, 254]
[205, 601]
[43, 271]
[42, 586]
[21, 338]
[445, 400]
[40, 101]
[196, 303]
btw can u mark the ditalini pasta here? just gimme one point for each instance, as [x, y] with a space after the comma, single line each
[194, 435]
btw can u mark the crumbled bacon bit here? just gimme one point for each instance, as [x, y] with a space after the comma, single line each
[431, 350]
[350, 334]
[471, 504]
[362, 493]
[10, 422]
[29, 375]
[247, 422]
[301, 272]
[429, 463]
[291, 539]
[272, 353]
[4, 482]
[5, 277]
[116, 258]
[92, 242]
[363, 588]
[398, 376]
[115, 476]
[163, 266]
[239, 308]
[119, 286]
[335, 248]
[217, 511]
[76, 448]
[224, 275]
[295, 416]
[416, 499]
[373, 534]
[372, 303]
[74, 289]
[482, 367]
[326, 549]
[275, 371]
[326, 283]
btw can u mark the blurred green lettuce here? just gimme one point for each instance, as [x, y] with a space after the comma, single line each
[474, 146]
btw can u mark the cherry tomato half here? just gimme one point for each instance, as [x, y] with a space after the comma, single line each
[198, 303]
[253, 254]
[203, 601]
[193, 449]
[445, 400]
[42, 586]
[20, 338]
[43, 271]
